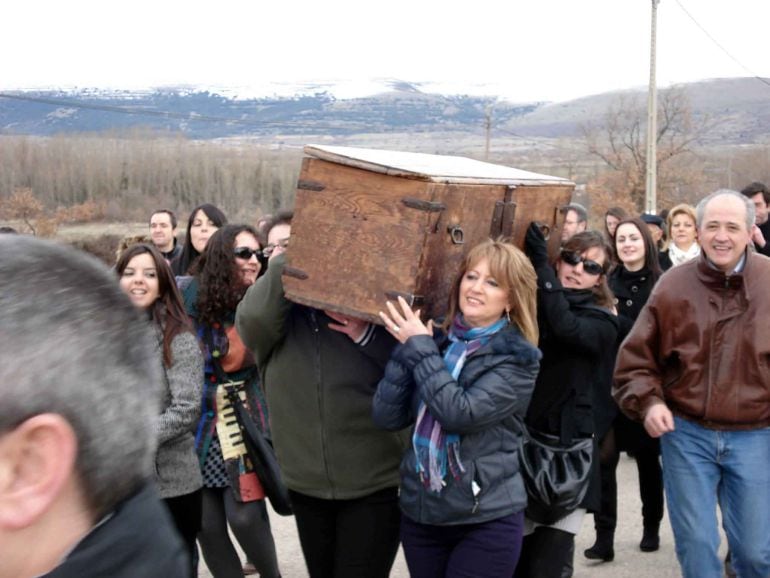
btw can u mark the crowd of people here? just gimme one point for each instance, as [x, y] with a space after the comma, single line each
[646, 337]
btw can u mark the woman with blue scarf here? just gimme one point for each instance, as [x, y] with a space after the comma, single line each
[462, 496]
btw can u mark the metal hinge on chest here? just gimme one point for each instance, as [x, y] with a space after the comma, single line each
[503, 215]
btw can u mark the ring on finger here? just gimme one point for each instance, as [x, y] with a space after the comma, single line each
[396, 329]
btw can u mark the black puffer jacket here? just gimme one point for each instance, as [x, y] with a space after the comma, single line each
[494, 385]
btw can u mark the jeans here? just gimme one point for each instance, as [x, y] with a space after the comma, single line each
[703, 469]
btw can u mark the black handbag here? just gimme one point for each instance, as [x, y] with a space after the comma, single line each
[556, 475]
[261, 454]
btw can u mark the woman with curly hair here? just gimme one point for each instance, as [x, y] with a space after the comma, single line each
[232, 493]
[204, 221]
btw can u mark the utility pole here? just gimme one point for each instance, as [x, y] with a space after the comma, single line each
[488, 130]
[651, 198]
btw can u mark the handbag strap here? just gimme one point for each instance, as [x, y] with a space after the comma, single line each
[216, 362]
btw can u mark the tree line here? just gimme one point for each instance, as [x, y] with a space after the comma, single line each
[129, 176]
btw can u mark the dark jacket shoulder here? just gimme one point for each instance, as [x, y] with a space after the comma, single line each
[116, 548]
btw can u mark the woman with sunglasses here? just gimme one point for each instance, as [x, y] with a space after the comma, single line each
[631, 282]
[232, 493]
[146, 278]
[578, 339]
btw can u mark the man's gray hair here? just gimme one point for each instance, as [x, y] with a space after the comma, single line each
[71, 343]
[700, 210]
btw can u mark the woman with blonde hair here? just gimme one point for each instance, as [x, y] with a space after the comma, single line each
[462, 496]
[682, 237]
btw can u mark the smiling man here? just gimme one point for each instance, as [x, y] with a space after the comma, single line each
[694, 369]
[163, 233]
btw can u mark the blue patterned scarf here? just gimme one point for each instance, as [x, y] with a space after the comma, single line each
[434, 449]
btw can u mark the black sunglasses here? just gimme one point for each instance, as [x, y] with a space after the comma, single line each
[245, 253]
[590, 267]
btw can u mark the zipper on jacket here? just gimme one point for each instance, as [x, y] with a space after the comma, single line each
[320, 394]
[476, 490]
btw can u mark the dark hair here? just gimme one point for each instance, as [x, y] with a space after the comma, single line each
[280, 217]
[8, 230]
[168, 311]
[754, 188]
[579, 209]
[617, 212]
[170, 214]
[651, 261]
[189, 254]
[580, 243]
[219, 285]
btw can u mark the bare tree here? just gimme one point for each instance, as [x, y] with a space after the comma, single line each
[620, 143]
[24, 206]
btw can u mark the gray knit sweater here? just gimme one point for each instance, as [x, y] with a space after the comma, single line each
[176, 464]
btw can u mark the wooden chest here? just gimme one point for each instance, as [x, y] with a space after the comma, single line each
[370, 225]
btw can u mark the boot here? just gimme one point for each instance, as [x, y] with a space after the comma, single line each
[650, 539]
[603, 549]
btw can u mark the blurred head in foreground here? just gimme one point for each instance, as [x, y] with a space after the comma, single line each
[79, 401]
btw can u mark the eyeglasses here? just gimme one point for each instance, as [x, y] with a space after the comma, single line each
[282, 243]
[590, 267]
[245, 253]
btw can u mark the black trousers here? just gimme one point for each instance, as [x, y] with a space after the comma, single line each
[546, 553]
[348, 538]
[186, 512]
[650, 485]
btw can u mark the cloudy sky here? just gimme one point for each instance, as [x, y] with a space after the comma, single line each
[518, 49]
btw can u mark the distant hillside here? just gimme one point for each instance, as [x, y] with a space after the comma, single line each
[742, 107]
[205, 115]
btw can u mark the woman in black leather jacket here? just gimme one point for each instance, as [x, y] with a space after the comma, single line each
[578, 338]
[462, 496]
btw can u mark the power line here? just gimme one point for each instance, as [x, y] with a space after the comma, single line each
[60, 102]
[722, 48]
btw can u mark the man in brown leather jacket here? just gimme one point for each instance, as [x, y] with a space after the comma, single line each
[696, 370]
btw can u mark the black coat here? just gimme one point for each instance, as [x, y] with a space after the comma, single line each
[631, 289]
[139, 539]
[664, 260]
[579, 343]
